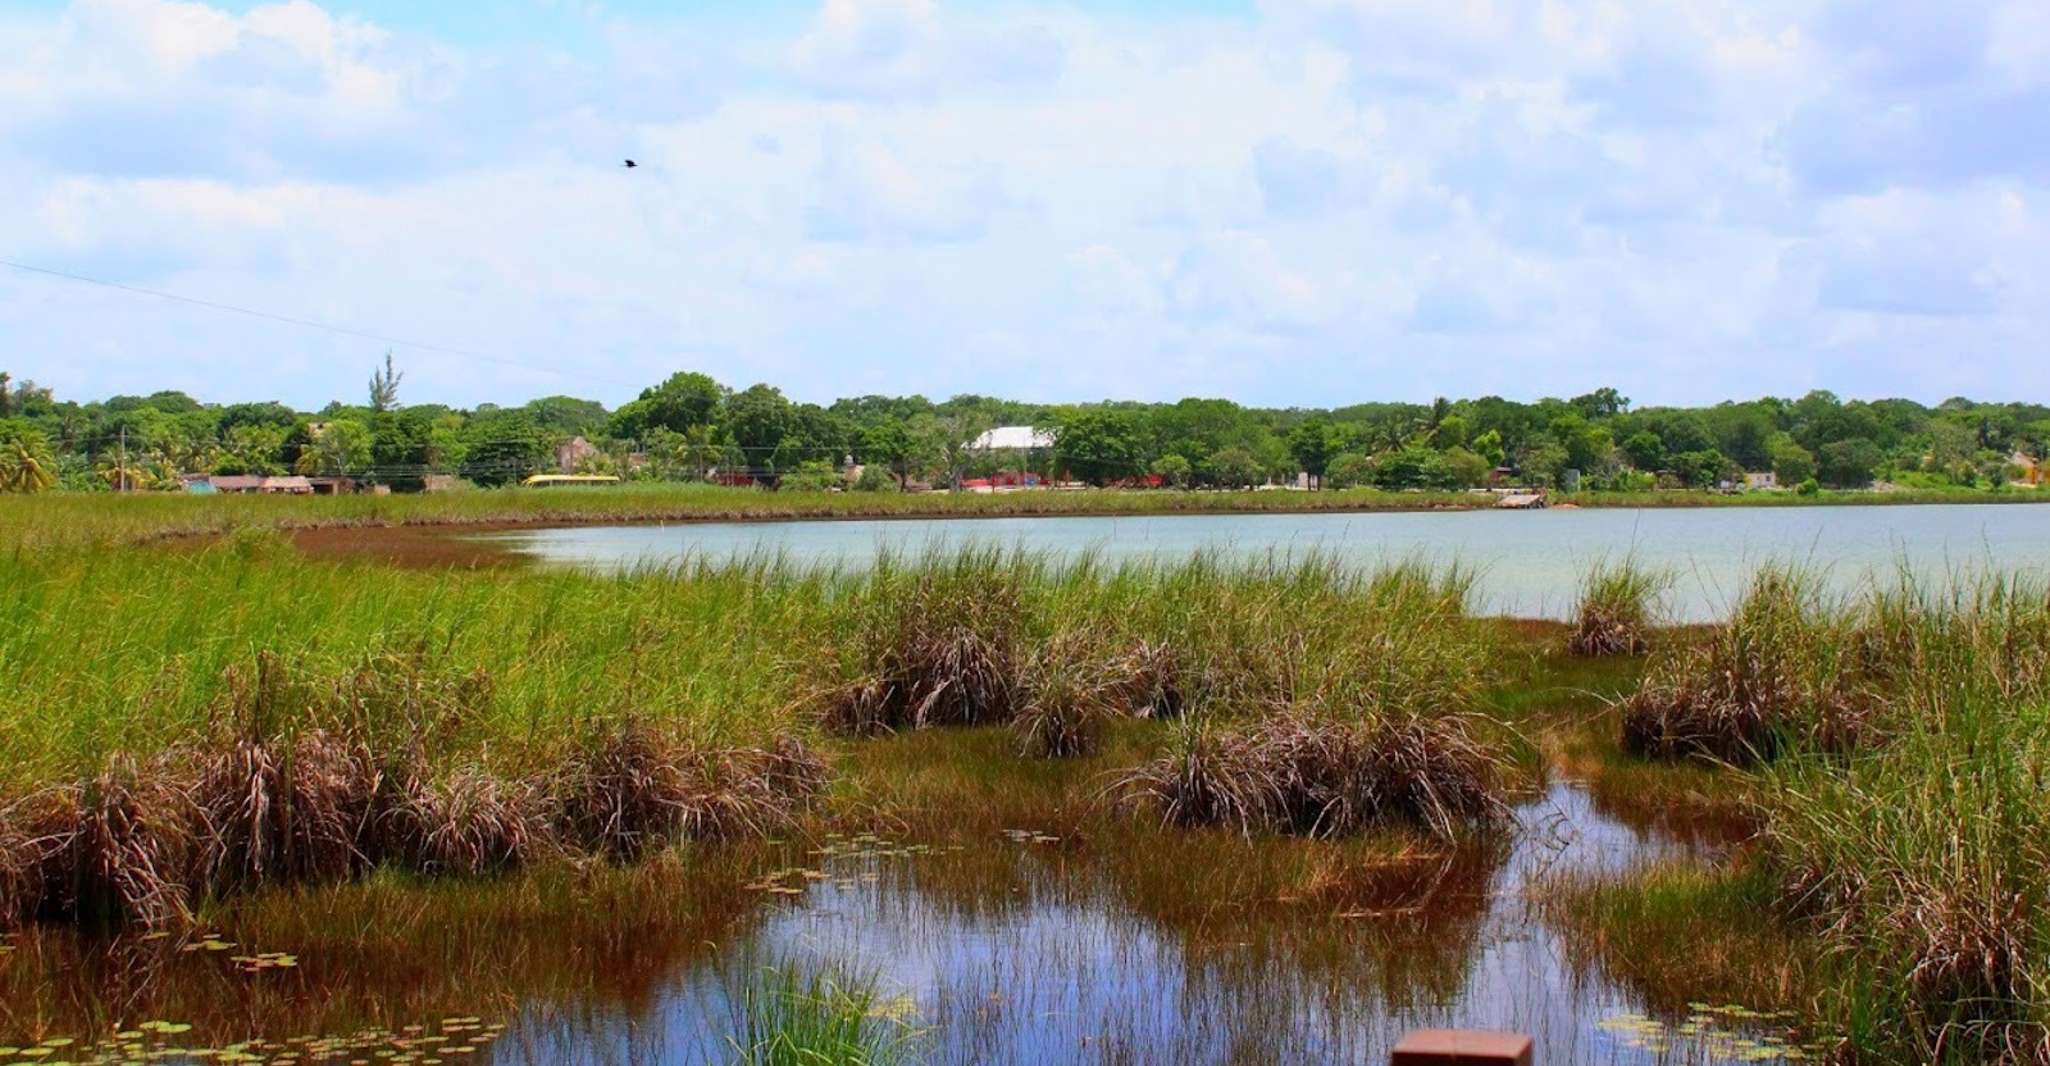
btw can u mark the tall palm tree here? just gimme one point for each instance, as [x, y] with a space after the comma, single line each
[25, 463]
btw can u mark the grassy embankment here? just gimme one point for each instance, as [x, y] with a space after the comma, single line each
[1893, 750]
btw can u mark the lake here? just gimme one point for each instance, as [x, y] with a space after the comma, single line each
[1530, 562]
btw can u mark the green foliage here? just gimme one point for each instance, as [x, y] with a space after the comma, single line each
[1312, 444]
[1099, 446]
[1645, 450]
[26, 462]
[1791, 463]
[1848, 464]
[1232, 468]
[875, 478]
[784, 1019]
[1350, 470]
[812, 475]
[1174, 470]
[505, 449]
[343, 446]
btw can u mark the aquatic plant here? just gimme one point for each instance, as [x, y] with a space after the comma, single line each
[1310, 776]
[1774, 675]
[1614, 615]
[1926, 864]
[784, 1018]
[1066, 699]
[629, 787]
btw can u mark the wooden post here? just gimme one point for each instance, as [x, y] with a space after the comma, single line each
[1457, 1047]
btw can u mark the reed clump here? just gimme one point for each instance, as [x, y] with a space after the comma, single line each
[1775, 675]
[786, 1018]
[933, 649]
[1066, 700]
[297, 785]
[1926, 865]
[1616, 612]
[632, 787]
[1301, 775]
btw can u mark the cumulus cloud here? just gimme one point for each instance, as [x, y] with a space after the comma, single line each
[1063, 203]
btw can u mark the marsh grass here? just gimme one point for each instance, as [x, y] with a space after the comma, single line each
[1682, 933]
[788, 1017]
[1776, 675]
[1926, 865]
[1617, 609]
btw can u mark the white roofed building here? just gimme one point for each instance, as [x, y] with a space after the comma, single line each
[1013, 438]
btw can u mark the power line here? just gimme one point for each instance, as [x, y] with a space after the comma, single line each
[346, 331]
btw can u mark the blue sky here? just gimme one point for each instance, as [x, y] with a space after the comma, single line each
[1280, 201]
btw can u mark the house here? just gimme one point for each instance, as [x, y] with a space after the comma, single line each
[332, 486]
[571, 454]
[1761, 479]
[1013, 439]
[246, 484]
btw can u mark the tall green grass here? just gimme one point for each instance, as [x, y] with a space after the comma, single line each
[1901, 745]
[1618, 608]
[785, 1017]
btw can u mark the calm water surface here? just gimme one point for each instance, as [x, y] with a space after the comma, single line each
[1530, 561]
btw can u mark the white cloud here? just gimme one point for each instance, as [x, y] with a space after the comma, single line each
[1334, 200]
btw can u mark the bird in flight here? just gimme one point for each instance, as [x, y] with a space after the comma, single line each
[630, 164]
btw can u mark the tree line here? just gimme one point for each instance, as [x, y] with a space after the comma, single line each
[692, 427]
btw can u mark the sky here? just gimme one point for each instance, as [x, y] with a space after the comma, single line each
[1282, 202]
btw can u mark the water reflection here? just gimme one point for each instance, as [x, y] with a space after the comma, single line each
[1108, 943]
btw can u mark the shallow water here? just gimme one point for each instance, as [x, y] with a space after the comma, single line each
[1036, 952]
[1020, 948]
[1531, 562]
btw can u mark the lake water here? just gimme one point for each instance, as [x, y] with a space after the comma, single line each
[1530, 562]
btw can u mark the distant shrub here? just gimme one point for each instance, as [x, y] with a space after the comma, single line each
[875, 479]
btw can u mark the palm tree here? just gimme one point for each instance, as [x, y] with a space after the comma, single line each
[25, 462]
[125, 475]
[702, 450]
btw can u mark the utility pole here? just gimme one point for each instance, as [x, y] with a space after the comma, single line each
[123, 469]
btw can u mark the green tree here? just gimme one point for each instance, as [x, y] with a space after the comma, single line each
[1848, 464]
[1349, 470]
[253, 448]
[343, 446]
[888, 444]
[504, 448]
[1645, 450]
[1311, 445]
[1174, 470]
[1488, 445]
[1791, 463]
[26, 462]
[685, 399]
[1099, 446]
[756, 419]
[1601, 403]
[384, 387]
[1705, 469]
[1461, 468]
[1233, 468]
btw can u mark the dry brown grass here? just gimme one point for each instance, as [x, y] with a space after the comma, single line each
[632, 788]
[1296, 774]
[115, 848]
[932, 656]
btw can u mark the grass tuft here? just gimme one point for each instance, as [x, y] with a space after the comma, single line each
[1616, 613]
